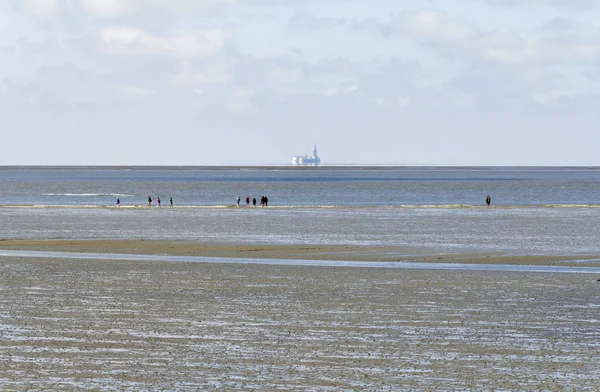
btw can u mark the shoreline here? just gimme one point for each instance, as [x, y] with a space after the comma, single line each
[301, 206]
[293, 251]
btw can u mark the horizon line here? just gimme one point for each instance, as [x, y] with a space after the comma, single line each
[288, 166]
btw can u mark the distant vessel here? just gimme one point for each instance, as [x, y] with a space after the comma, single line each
[305, 160]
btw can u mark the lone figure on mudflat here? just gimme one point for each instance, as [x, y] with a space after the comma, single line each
[488, 200]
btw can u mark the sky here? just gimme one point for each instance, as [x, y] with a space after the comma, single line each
[253, 82]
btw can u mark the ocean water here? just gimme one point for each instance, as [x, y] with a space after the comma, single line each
[422, 209]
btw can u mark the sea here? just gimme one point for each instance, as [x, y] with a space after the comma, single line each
[534, 210]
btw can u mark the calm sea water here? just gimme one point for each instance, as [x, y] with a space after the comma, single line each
[534, 210]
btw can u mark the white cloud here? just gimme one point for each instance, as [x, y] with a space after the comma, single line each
[108, 8]
[340, 90]
[188, 74]
[136, 91]
[576, 4]
[242, 101]
[553, 96]
[243, 94]
[285, 75]
[398, 102]
[433, 25]
[121, 8]
[361, 65]
[42, 7]
[188, 44]
[468, 42]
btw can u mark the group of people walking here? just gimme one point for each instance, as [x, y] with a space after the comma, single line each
[158, 201]
[264, 201]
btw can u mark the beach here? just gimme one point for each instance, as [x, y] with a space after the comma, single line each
[411, 284]
[131, 325]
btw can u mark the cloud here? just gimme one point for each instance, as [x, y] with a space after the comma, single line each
[576, 4]
[116, 9]
[108, 8]
[44, 8]
[340, 90]
[141, 9]
[399, 102]
[433, 26]
[190, 75]
[460, 39]
[427, 25]
[416, 78]
[188, 44]
[286, 75]
[554, 96]
[136, 91]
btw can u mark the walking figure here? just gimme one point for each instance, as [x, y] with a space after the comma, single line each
[158, 201]
[118, 202]
[171, 201]
[149, 201]
[254, 201]
[488, 200]
[247, 200]
[237, 201]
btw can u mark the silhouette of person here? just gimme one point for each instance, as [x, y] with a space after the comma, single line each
[149, 201]
[237, 201]
[118, 202]
[488, 200]
[254, 201]
[171, 201]
[158, 201]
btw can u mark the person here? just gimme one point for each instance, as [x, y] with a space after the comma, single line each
[262, 201]
[247, 200]
[254, 201]
[171, 201]
[266, 201]
[149, 201]
[237, 201]
[488, 200]
[118, 202]
[158, 201]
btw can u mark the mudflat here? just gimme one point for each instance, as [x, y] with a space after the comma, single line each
[290, 251]
[134, 325]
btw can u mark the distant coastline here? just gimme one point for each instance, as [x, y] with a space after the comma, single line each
[291, 167]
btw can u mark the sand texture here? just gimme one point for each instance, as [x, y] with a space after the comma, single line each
[130, 326]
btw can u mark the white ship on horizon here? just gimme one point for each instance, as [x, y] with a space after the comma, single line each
[305, 160]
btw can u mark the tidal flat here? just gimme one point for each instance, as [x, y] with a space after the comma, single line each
[138, 325]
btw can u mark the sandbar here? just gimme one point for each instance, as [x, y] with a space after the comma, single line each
[302, 252]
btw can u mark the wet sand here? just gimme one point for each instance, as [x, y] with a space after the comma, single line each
[131, 325]
[302, 252]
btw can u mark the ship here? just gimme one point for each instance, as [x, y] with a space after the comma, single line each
[305, 160]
